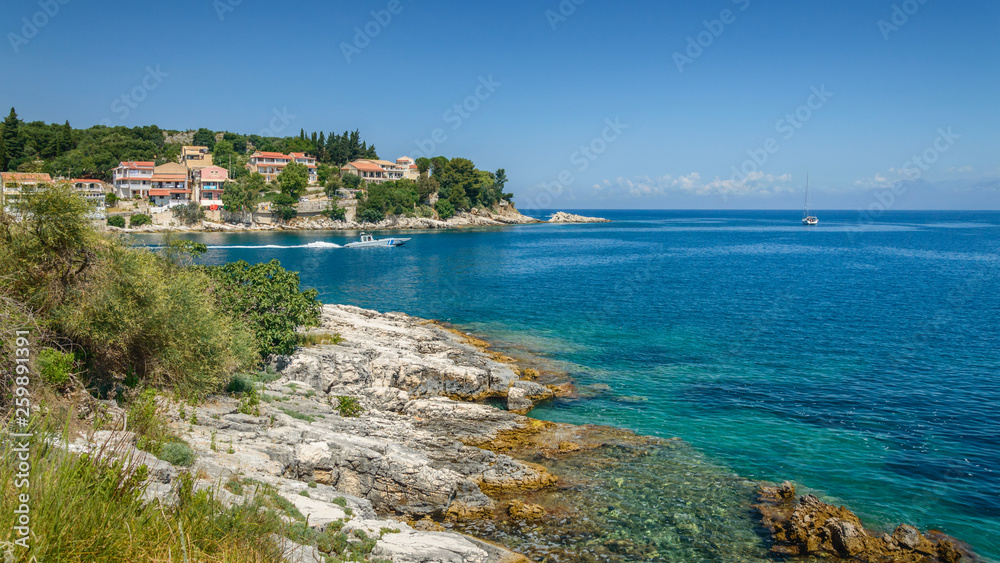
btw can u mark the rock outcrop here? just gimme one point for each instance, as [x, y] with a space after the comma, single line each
[806, 526]
[563, 217]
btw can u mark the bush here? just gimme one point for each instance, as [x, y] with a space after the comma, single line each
[177, 453]
[250, 403]
[140, 219]
[240, 384]
[445, 209]
[267, 298]
[424, 211]
[335, 212]
[147, 422]
[349, 407]
[371, 216]
[189, 214]
[55, 366]
[116, 221]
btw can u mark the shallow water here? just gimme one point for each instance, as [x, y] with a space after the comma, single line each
[858, 359]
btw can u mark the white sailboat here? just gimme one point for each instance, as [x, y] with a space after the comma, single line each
[808, 219]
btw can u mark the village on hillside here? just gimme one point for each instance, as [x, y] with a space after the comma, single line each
[144, 188]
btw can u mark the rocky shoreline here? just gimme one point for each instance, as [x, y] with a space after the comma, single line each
[428, 455]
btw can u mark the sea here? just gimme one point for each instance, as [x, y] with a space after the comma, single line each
[859, 358]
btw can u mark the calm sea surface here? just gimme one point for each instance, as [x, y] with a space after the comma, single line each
[859, 359]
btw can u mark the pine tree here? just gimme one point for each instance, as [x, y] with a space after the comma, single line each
[12, 141]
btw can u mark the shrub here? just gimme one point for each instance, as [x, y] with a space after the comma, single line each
[240, 383]
[250, 403]
[177, 453]
[445, 209]
[335, 213]
[424, 211]
[349, 407]
[189, 214]
[55, 366]
[140, 219]
[116, 221]
[145, 419]
[371, 215]
[267, 299]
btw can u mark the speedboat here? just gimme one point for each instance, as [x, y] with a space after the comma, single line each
[368, 240]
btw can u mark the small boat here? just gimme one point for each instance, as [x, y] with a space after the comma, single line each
[808, 219]
[368, 240]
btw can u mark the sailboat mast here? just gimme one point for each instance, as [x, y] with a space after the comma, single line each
[805, 204]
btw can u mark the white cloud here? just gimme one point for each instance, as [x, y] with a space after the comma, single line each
[756, 184]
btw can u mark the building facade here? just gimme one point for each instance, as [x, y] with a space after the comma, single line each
[12, 182]
[195, 157]
[133, 179]
[270, 164]
[377, 171]
[170, 185]
[209, 183]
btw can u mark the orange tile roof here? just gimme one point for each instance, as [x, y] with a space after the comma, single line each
[159, 192]
[366, 166]
[169, 177]
[85, 181]
[137, 164]
[25, 177]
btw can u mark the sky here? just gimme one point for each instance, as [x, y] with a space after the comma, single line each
[587, 104]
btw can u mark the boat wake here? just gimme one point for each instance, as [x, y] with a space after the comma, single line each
[317, 244]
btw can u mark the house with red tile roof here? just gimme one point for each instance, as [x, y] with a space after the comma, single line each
[133, 179]
[270, 164]
[11, 182]
[375, 171]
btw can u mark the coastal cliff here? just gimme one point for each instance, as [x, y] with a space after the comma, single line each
[425, 466]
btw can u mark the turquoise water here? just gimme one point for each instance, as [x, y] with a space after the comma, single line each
[857, 358]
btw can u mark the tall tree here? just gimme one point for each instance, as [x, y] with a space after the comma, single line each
[204, 138]
[294, 179]
[12, 140]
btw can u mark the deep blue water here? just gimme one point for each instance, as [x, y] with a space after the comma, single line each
[859, 359]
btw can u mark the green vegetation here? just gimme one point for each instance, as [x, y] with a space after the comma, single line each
[293, 179]
[243, 195]
[56, 367]
[95, 152]
[297, 415]
[284, 207]
[189, 214]
[444, 208]
[267, 299]
[240, 383]
[370, 216]
[250, 403]
[140, 219]
[309, 339]
[348, 407]
[177, 453]
[80, 503]
[334, 212]
[116, 221]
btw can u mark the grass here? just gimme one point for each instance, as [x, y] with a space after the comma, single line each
[310, 339]
[85, 508]
[177, 453]
[297, 415]
[250, 403]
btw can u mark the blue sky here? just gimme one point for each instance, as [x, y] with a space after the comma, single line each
[585, 103]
